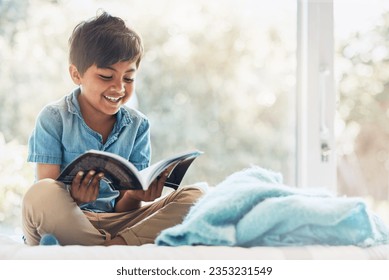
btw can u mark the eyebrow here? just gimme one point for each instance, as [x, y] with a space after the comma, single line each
[127, 71]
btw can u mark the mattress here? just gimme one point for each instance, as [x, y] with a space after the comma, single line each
[13, 250]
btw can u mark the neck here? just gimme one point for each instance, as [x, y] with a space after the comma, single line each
[97, 121]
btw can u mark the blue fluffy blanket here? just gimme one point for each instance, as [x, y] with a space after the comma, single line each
[254, 208]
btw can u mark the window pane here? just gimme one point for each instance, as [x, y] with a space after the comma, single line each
[363, 109]
[218, 76]
[222, 79]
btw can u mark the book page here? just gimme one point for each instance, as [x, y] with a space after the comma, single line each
[152, 172]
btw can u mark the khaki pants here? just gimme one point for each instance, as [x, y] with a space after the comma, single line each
[49, 208]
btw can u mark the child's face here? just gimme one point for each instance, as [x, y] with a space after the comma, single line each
[104, 90]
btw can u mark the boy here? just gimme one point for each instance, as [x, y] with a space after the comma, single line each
[104, 58]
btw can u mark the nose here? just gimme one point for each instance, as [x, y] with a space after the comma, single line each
[119, 86]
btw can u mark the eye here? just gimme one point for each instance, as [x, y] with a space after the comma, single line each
[105, 77]
[129, 80]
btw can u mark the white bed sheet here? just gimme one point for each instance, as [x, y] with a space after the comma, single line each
[12, 250]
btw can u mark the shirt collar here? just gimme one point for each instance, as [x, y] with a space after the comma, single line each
[72, 102]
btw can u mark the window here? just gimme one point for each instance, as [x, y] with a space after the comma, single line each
[300, 87]
[362, 121]
[217, 76]
[222, 79]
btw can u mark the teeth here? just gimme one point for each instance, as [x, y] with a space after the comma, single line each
[112, 99]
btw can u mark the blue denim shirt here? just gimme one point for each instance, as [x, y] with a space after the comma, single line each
[61, 134]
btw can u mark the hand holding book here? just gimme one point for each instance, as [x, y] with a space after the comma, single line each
[85, 187]
[122, 175]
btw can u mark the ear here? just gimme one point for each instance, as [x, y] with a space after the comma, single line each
[74, 74]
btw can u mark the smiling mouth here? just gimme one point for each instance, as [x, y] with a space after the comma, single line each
[113, 99]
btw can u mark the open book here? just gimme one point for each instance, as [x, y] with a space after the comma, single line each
[123, 175]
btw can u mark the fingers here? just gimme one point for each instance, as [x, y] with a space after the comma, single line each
[161, 183]
[87, 179]
[94, 185]
[153, 192]
[77, 180]
[156, 188]
[86, 188]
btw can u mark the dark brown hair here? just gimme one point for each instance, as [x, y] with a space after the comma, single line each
[103, 40]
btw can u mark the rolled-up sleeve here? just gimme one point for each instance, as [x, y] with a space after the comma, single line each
[44, 145]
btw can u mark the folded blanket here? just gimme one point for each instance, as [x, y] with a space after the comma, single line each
[254, 208]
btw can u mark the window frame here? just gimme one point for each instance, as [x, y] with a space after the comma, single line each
[315, 95]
